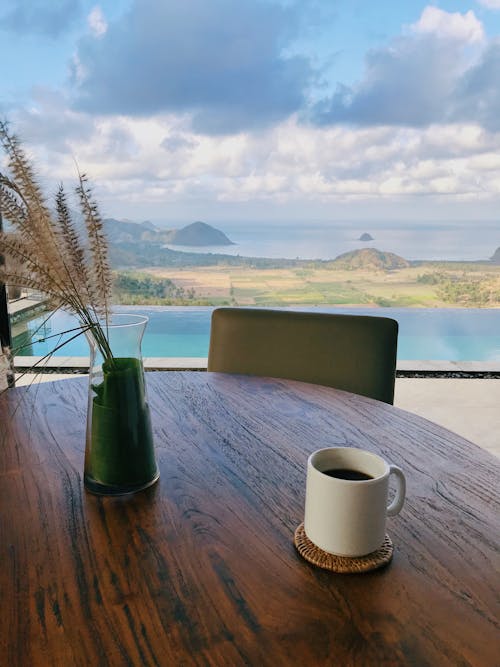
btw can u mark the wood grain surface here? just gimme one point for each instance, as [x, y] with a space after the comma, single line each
[201, 568]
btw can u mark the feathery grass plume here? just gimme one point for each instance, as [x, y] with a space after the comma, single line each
[72, 248]
[47, 250]
[102, 282]
[23, 183]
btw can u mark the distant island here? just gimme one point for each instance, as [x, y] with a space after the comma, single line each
[199, 234]
[366, 237]
[196, 234]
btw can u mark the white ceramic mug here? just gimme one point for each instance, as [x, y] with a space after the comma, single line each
[347, 517]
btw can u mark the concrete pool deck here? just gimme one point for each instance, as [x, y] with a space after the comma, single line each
[467, 406]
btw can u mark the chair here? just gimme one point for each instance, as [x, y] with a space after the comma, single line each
[352, 352]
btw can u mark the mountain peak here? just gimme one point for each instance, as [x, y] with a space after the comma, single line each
[371, 258]
[149, 226]
[199, 234]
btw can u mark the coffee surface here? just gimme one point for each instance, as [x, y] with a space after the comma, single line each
[347, 473]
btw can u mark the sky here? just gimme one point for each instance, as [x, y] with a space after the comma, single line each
[261, 110]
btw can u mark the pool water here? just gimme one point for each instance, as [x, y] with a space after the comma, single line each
[424, 334]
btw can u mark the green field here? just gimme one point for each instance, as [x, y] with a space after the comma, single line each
[432, 284]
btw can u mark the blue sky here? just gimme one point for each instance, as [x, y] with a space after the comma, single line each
[261, 109]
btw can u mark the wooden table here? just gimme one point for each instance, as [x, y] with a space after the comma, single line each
[201, 569]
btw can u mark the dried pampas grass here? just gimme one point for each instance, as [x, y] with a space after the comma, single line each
[47, 251]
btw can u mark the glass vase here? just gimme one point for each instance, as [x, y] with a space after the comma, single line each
[119, 452]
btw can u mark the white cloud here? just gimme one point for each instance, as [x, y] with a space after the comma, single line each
[490, 4]
[486, 162]
[442, 69]
[97, 22]
[451, 141]
[151, 163]
[288, 163]
[461, 27]
[78, 71]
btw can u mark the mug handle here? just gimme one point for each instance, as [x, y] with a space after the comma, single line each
[399, 499]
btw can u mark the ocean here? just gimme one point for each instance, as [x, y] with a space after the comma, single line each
[469, 241]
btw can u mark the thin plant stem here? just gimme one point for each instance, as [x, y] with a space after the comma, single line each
[71, 268]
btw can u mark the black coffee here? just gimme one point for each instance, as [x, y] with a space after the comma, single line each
[347, 473]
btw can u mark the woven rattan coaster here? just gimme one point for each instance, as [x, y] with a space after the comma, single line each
[342, 564]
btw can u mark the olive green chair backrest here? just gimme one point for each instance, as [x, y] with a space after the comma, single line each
[352, 352]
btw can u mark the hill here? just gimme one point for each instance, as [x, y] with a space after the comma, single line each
[199, 234]
[370, 258]
[195, 234]
[124, 231]
[496, 256]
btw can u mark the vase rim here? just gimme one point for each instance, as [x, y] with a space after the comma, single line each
[132, 320]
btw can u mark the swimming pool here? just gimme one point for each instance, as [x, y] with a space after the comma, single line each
[425, 334]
